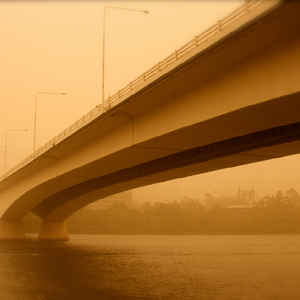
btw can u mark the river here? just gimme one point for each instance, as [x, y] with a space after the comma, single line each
[152, 267]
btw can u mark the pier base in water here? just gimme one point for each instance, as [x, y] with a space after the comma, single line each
[54, 231]
[12, 230]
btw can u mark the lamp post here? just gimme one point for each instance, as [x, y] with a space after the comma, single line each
[103, 55]
[6, 144]
[35, 113]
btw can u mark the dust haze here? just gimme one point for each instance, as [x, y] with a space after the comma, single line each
[56, 46]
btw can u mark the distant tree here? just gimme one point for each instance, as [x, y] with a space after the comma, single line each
[275, 214]
[293, 199]
[209, 201]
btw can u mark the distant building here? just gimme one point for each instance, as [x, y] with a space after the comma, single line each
[244, 199]
[124, 197]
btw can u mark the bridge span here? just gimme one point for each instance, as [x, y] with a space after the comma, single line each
[229, 97]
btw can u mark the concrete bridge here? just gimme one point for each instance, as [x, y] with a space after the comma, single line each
[229, 97]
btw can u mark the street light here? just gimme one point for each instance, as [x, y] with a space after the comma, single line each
[6, 144]
[103, 58]
[35, 111]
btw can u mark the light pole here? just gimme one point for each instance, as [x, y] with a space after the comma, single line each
[35, 112]
[6, 144]
[103, 55]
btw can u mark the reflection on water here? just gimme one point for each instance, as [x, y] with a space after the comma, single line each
[152, 267]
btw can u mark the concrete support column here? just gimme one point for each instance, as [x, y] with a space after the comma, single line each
[54, 230]
[12, 230]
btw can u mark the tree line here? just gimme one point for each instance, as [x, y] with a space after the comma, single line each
[277, 214]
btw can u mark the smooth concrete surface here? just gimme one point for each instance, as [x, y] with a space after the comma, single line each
[54, 231]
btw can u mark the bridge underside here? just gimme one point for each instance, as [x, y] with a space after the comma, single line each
[259, 146]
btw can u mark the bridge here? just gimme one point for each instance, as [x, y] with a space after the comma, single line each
[228, 97]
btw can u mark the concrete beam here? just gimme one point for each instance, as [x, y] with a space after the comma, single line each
[12, 230]
[54, 230]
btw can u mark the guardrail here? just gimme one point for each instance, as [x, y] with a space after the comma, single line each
[198, 40]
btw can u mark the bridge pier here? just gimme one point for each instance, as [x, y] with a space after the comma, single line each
[54, 230]
[12, 230]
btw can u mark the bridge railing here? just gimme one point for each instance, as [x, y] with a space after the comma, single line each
[198, 40]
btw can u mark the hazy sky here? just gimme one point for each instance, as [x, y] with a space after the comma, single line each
[56, 46]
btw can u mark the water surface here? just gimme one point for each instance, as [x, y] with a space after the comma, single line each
[152, 267]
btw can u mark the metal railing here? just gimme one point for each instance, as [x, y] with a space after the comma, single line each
[198, 40]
